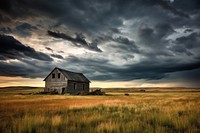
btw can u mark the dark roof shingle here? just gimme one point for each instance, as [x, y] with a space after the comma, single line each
[73, 76]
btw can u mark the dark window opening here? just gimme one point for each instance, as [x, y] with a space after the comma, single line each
[83, 86]
[53, 76]
[63, 90]
[58, 75]
[74, 86]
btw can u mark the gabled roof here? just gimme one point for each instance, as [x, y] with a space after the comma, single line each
[73, 76]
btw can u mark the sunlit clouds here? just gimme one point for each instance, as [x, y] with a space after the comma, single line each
[114, 42]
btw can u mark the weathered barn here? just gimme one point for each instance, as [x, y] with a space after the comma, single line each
[63, 81]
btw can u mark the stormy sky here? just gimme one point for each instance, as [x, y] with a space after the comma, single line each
[137, 42]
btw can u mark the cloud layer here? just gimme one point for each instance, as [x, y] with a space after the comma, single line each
[78, 41]
[13, 49]
[115, 40]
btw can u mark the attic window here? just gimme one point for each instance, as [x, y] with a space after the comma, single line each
[53, 76]
[58, 75]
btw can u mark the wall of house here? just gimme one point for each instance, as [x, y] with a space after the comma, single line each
[75, 87]
[55, 84]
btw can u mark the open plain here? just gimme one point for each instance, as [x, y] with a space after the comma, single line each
[158, 110]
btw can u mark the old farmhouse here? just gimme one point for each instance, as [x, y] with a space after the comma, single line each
[63, 81]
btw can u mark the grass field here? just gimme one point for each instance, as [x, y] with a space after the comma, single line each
[158, 110]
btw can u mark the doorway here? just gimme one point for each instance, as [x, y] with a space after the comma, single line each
[63, 90]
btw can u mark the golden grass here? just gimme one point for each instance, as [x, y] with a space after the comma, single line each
[115, 113]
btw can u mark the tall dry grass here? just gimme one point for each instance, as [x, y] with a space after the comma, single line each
[137, 113]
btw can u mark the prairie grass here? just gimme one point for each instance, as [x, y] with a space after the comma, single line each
[116, 113]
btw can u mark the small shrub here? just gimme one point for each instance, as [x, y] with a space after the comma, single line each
[142, 90]
[126, 94]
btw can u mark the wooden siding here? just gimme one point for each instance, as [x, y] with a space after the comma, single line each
[55, 84]
[63, 85]
[75, 87]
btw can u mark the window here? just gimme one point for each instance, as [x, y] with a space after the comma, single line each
[53, 76]
[58, 75]
[83, 86]
[74, 86]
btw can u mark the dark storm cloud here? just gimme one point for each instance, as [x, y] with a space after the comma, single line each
[156, 70]
[49, 49]
[126, 28]
[192, 75]
[125, 40]
[86, 16]
[61, 51]
[25, 26]
[188, 30]
[14, 69]
[186, 5]
[27, 69]
[173, 10]
[147, 35]
[57, 56]
[115, 30]
[178, 49]
[22, 29]
[187, 44]
[28, 63]
[13, 49]
[154, 39]
[150, 70]
[5, 5]
[78, 41]
[6, 30]
[126, 45]
[153, 36]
